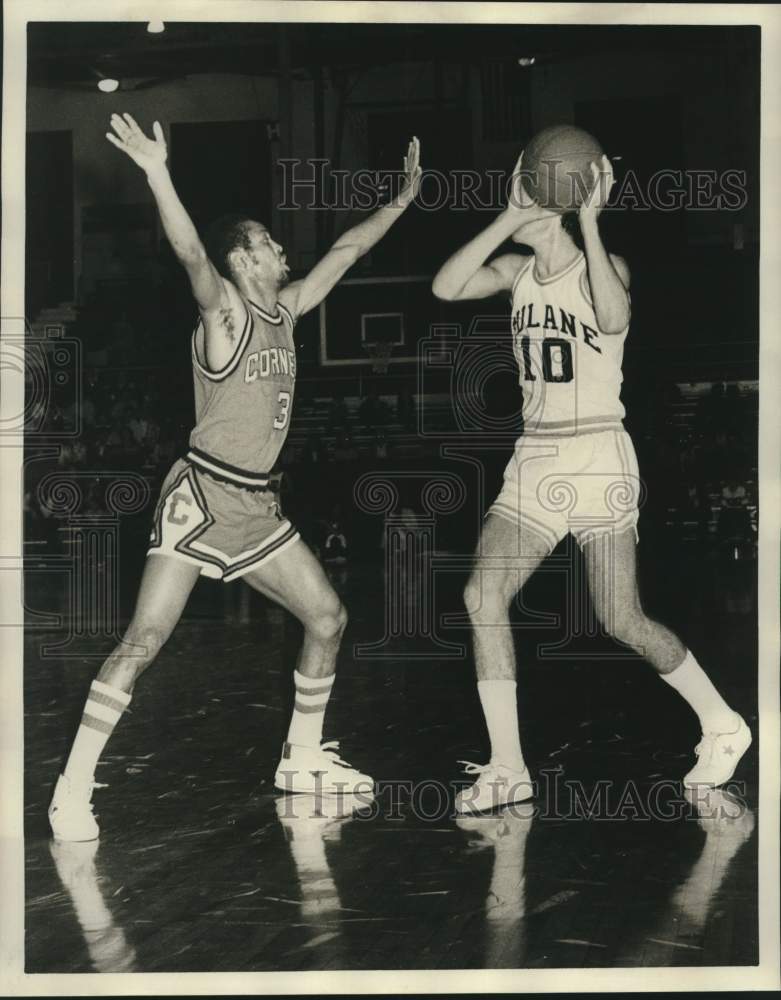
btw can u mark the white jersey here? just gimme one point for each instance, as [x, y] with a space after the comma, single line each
[570, 372]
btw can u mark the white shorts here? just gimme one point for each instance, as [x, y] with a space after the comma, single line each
[585, 485]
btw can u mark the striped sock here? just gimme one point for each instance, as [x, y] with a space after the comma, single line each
[102, 712]
[312, 693]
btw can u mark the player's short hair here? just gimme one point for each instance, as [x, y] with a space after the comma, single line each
[225, 234]
[570, 223]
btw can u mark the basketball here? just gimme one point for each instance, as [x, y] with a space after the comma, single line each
[556, 169]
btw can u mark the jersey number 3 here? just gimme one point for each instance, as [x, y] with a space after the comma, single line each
[280, 421]
[563, 358]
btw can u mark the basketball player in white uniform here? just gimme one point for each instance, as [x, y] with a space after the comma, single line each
[216, 515]
[573, 470]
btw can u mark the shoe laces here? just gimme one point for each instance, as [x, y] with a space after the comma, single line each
[331, 747]
[706, 745]
[471, 768]
[92, 787]
[479, 769]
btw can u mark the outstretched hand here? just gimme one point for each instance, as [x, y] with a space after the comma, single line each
[601, 184]
[149, 154]
[412, 173]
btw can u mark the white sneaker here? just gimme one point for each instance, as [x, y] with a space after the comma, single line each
[70, 811]
[320, 771]
[496, 786]
[718, 755]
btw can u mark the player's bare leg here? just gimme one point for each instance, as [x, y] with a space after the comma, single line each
[507, 555]
[611, 564]
[297, 581]
[165, 587]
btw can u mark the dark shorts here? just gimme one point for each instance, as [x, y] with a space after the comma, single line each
[226, 530]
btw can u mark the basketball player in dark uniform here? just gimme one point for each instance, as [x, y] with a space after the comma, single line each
[215, 514]
[573, 471]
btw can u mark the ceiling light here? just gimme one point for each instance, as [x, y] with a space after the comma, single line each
[527, 60]
[107, 85]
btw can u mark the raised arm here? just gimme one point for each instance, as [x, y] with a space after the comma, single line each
[151, 154]
[608, 275]
[465, 275]
[301, 296]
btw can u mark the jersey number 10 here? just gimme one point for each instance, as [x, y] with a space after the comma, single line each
[563, 360]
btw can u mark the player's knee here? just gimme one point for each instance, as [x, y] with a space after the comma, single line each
[329, 622]
[626, 626]
[144, 640]
[341, 618]
[484, 597]
[472, 596]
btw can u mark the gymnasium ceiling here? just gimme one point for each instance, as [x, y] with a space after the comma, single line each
[75, 53]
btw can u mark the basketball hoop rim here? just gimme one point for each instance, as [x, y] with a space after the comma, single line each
[379, 352]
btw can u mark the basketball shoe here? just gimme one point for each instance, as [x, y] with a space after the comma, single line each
[496, 786]
[718, 754]
[319, 770]
[70, 811]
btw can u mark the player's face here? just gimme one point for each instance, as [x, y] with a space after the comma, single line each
[267, 256]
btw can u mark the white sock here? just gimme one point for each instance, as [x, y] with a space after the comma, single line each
[102, 711]
[693, 684]
[501, 718]
[312, 694]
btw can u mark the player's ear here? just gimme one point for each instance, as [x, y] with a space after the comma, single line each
[237, 260]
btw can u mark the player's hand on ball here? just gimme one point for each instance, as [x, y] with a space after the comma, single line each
[412, 173]
[519, 198]
[602, 182]
[149, 154]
